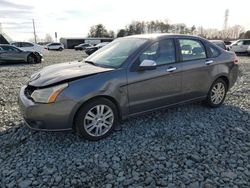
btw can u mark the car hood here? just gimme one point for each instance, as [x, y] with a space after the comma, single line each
[62, 72]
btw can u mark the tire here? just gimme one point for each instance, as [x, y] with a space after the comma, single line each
[31, 59]
[217, 93]
[60, 49]
[92, 125]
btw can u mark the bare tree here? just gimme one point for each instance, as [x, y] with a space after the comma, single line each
[98, 30]
[48, 38]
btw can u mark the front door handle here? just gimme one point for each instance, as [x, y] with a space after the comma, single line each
[209, 62]
[171, 69]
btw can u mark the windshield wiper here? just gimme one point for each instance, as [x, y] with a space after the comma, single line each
[90, 62]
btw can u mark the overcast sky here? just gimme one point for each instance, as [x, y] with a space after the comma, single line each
[74, 18]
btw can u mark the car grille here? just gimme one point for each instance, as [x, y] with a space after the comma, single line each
[28, 91]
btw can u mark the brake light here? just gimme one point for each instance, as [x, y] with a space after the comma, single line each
[236, 60]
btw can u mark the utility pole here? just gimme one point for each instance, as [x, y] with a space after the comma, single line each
[34, 29]
[226, 19]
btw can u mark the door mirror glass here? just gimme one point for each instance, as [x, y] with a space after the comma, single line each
[147, 64]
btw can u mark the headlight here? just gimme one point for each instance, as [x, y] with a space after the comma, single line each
[48, 95]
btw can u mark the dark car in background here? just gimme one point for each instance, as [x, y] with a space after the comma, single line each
[82, 46]
[220, 43]
[12, 54]
[91, 50]
[129, 76]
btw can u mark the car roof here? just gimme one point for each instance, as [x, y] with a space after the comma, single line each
[242, 40]
[6, 45]
[22, 42]
[162, 35]
[217, 41]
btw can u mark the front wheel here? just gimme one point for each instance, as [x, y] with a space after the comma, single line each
[31, 59]
[96, 119]
[217, 93]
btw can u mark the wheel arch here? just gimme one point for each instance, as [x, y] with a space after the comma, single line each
[33, 55]
[225, 78]
[112, 99]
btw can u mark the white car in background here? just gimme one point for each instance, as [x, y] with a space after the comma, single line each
[29, 46]
[54, 46]
[240, 46]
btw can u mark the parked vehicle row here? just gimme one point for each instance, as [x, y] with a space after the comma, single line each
[131, 75]
[54, 46]
[92, 49]
[220, 43]
[240, 46]
[82, 46]
[13, 54]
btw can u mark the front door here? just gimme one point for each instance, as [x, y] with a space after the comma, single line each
[10, 54]
[149, 89]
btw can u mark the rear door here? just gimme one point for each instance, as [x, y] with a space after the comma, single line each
[197, 68]
[149, 89]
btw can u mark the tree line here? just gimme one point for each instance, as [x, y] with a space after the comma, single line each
[156, 26]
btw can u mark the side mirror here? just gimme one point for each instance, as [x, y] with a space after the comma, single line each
[147, 65]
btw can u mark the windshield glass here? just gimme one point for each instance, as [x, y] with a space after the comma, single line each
[116, 52]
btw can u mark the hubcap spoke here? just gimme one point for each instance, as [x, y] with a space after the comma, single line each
[217, 93]
[98, 120]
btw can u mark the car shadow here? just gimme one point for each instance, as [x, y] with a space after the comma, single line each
[13, 63]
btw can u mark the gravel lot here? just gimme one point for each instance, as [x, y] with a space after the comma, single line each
[188, 146]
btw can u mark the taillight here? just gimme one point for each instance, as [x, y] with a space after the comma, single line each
[236, 60]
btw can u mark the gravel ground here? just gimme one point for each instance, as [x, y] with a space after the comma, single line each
[188, 146]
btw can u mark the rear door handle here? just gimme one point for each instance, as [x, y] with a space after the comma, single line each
[171, 69]
[209, 62]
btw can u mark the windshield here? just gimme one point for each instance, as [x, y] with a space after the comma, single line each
[116, 52]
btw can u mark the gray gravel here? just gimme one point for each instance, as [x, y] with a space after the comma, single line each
[188, 146]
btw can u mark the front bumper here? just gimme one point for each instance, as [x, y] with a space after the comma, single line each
[47, 117]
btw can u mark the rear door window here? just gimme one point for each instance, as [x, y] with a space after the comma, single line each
[26, 44]
[246, 42]
[191, 49]
[214, 52]
[17, 44]
[10, 49]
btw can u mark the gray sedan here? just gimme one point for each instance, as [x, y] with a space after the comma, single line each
[12, 54]
[129, 76]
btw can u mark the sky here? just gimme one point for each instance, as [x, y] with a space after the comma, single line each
[75, 17]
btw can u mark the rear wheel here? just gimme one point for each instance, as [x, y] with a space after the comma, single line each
[217, 93]
[96, 119]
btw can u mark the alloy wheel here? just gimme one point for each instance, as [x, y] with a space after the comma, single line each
[218, 93]
[98, 120]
